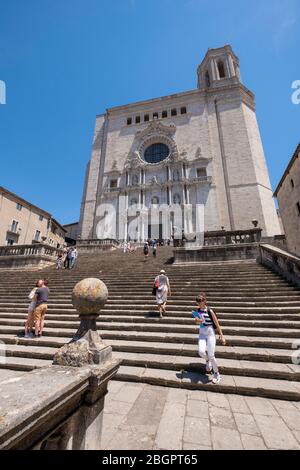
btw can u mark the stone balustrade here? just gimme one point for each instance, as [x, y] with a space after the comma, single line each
[24, 250]
[93, 245]
[284, 263]
[20, 256]
[235, 237]
[219, 246]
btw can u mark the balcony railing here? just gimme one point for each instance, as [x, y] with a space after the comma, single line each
[202, 179]
[111, 190]
[14, 230]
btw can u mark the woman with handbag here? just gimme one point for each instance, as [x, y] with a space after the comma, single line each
[31, 308]
[161, 289]
[206, 318]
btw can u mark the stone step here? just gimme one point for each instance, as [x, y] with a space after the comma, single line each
[177, 338]
[173, 317]
[164, 348]
[257, 321]
[144, 276]
[143, 282]
[191, 329]
[260, 296]
[226, 366]
[142, 268]
[170, 310]
[177, 283]
[187, 292]
[23, 364]
[268, 388]
[176, 298]
[148, 302]
[126, 278]
[173, 272]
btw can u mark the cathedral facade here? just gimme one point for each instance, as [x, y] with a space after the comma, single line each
[200, 148]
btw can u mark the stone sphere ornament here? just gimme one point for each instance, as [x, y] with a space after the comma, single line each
[89, 296]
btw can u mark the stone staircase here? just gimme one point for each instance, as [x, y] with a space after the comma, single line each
[258, 311]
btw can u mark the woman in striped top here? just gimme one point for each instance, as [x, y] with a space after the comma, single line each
[208, 322]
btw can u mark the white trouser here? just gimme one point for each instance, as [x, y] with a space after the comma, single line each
[207, 347]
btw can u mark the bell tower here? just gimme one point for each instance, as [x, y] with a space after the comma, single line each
[219, 68]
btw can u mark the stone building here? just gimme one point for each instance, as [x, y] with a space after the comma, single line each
[288, 195]
[71, 232]
[200, 147]
[22, 223]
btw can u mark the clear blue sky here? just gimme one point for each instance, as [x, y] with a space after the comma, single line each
[64, 61]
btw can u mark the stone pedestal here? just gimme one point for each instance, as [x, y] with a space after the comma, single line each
[86, 347]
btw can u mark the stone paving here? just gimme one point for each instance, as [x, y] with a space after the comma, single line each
[143, 417]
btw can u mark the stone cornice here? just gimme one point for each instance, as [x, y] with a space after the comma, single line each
[149, 104]
[172, 100]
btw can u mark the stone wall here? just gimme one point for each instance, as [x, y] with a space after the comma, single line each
[288, 195]
[217, 253]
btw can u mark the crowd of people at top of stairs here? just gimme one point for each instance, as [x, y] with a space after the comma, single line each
[131, 247]
[67, 258]
[154, 244]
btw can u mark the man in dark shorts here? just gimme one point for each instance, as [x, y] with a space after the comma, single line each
[41, 296]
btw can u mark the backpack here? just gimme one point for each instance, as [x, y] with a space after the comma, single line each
[212, 318]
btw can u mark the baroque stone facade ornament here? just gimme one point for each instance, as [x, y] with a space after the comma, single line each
[154, 133]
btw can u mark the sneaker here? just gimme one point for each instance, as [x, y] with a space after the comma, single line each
[208, 367]
[216, 378]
